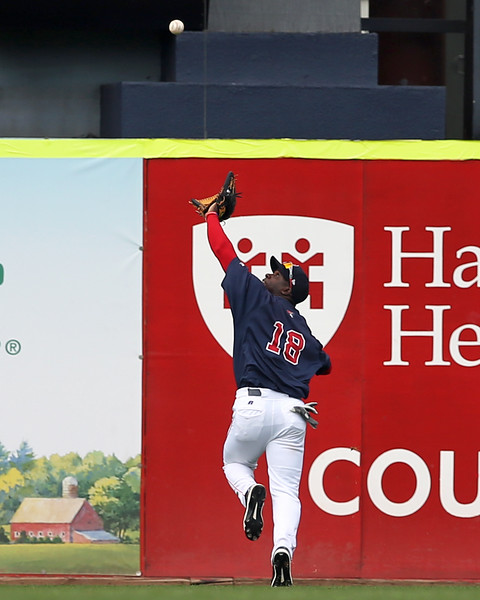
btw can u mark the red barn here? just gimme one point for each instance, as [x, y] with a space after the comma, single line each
[70, 518]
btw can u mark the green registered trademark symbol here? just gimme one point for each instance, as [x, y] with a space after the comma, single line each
[13, 347]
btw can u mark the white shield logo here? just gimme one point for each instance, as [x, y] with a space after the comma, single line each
[323, 248]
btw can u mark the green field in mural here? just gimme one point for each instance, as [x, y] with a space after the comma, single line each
[99, 559]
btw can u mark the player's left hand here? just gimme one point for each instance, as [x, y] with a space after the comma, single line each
[310, 406]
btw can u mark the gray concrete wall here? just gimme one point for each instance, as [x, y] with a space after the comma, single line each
[295, 16]
[110, 81]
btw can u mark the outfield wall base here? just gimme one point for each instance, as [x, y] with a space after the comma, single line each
[130, 580]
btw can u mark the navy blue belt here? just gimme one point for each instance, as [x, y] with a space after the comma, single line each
[254, 392]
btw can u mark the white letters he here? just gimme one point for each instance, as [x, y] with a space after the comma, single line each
[436, 333]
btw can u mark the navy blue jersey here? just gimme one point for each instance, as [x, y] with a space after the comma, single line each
[273, 345]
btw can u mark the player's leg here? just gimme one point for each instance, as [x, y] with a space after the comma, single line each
[285, 463]
[245, 443]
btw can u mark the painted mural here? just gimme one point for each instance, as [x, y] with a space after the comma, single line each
[70, 360]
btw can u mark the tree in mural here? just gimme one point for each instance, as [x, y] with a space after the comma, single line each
[117, 501]
[13, 466]
[4, 539]
[23, 458]
[4, 459]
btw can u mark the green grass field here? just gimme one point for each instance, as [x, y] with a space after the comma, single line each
[108, 559]
[245, 592]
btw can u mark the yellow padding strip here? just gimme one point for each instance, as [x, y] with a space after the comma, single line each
[212, 148]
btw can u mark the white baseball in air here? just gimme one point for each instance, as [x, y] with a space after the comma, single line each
[176, 26]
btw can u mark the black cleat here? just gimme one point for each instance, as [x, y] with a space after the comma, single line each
[282, 573]
[253, 521]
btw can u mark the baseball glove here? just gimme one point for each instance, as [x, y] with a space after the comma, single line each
[226, 200]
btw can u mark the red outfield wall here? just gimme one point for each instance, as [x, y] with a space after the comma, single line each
[390, 486]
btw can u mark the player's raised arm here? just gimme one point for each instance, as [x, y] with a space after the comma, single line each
[219, 243]
[216, 208]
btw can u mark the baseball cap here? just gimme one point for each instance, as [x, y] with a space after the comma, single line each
[295, 275]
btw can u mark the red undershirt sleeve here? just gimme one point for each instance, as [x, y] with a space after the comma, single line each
[219, 243]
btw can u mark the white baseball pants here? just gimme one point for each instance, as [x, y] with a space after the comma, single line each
[265, 424]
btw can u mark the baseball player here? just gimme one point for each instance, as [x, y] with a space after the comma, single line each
[275, 356]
